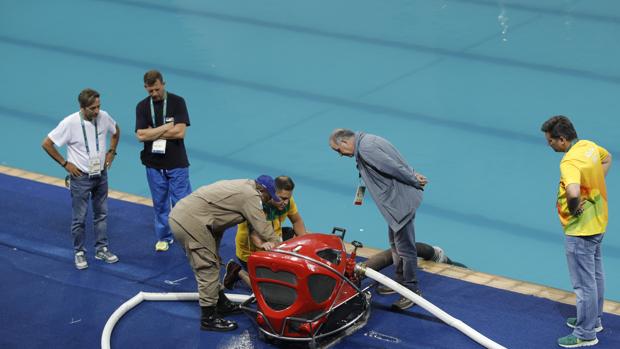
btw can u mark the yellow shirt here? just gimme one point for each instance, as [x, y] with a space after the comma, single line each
[582, 165]
[245, 247]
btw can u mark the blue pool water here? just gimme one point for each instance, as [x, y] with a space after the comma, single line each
[461, 87]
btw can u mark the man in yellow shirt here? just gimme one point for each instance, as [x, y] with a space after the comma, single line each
[247, 241]
[582, 208]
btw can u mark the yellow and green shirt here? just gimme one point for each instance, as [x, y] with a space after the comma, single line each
[244, 245]
[582, 165]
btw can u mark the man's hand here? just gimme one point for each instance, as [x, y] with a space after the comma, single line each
[109, 157]
[267, 246]
[422, 179]
[72, 169]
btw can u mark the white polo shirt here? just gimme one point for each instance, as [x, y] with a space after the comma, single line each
[69, 132]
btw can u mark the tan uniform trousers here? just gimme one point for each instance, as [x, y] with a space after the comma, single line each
[201, 248]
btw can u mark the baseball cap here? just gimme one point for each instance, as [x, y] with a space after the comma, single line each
[268, 183]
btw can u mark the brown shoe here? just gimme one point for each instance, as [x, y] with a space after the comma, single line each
[232, 274]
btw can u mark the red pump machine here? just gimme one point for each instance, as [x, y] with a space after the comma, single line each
[306, 291]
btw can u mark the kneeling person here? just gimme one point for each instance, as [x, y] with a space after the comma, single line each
[247, 240]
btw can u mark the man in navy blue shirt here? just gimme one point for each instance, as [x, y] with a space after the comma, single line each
[161, 122]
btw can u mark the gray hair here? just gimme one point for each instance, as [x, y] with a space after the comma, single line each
[340, 134]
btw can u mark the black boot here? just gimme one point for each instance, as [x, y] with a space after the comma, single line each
[225, 306]
[211, 321]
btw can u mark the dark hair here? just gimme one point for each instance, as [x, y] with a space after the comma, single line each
[559, 126]
[151, 77]
[284, 183]
[87, 97]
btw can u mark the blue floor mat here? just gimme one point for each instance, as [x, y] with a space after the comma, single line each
[46, 302]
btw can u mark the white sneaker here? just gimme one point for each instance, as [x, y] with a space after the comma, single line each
[80, 260]
[440, 255]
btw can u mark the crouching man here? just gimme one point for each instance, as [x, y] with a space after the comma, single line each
[198, 222]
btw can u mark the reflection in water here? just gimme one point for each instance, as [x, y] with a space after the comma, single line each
[503, 22]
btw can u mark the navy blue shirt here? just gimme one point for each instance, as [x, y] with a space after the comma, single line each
[175, 156]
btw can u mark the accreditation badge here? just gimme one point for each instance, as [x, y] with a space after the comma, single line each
[94, 167]
[359, 195]
[159, 147]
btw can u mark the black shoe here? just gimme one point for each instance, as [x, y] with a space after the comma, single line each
[211, 321]
[232, 274]
[225, 306]
[383, 290]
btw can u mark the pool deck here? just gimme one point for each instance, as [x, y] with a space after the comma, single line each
[469, 275]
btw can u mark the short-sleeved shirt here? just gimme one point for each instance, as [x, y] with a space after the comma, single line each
[244, 246]
[175, 156]
[69, 132]
[582, 165]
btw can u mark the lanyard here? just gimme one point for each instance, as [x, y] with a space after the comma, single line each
[163, 117]
[86, 139]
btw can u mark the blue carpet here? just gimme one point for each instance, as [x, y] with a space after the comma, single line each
[46, 302]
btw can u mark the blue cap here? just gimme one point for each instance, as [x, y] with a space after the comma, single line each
[269, 184]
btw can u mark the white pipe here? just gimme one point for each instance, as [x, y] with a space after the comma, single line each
[150, 296]
[442, 315]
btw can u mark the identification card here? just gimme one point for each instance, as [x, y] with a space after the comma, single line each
[94, 167]
[159, 146]
[359, 195]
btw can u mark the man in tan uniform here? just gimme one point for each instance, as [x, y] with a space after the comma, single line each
[198, 222]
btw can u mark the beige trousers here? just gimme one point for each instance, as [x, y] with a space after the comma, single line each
[201, 249]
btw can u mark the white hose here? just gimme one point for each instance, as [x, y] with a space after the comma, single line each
[149, 296]
[430, 307]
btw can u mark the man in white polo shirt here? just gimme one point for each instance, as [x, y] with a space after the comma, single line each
[85, 135]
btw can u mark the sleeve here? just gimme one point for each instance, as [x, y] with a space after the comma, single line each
[384, 158]
[61, 135]
[603, 153]
[110, 123]
[254, 214]
[181, 116]
[293, 208]
[569, 173]
[142, 121]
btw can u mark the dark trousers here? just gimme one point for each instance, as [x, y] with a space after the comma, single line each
[405, 255]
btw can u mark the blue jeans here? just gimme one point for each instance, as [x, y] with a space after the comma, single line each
[405, 255]
[82, 189]
[167, 188]
[583, 254]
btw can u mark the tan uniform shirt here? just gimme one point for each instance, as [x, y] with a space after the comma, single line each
[224, 204]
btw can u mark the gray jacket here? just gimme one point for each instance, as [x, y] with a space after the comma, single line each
[390, 181]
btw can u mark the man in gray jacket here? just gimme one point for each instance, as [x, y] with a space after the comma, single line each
[396, 189]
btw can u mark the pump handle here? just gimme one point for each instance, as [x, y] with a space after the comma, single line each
[342, 230]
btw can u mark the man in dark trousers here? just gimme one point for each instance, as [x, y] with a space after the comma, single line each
[396, 189]
[161, 121]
